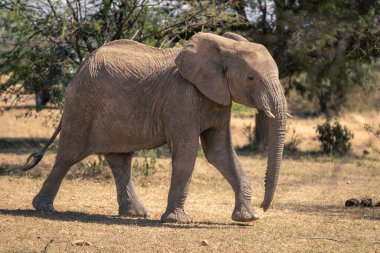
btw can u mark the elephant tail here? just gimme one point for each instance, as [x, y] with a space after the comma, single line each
[35, 158]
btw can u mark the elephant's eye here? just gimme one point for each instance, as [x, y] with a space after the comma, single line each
[250, 78]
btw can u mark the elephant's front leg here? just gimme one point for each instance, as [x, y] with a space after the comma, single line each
[130, 204]
[219, 151]
[183, 158]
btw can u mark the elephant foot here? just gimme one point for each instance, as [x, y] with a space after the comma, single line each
[243, 215]
[176, 216]
[41, 204]
[135, 210]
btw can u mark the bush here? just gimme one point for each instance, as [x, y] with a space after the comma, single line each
[141, 171]
[92, 167]
[144, 165]
[242, 111]
[334, 138]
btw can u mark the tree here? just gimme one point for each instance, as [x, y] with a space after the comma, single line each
[336, 46]
[43, 42]
[322, 48]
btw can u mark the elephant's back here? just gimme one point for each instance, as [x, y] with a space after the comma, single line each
[127, 59]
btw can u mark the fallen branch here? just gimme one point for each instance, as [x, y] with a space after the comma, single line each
[47, 245]
[371, 129]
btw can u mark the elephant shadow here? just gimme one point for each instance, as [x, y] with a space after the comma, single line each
[117, 220]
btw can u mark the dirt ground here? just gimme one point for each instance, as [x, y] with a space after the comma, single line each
[307, 215]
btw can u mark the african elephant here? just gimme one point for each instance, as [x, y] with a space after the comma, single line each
[127, 96]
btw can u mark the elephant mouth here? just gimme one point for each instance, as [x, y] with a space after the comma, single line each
[252, 100]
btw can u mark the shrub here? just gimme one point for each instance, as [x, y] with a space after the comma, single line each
[242, 111]
[141, 171]
[334, 138]
[90, 168]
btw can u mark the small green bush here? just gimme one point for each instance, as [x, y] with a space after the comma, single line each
[143, 171]
[242, 111]
[334, 138]
[91, 168]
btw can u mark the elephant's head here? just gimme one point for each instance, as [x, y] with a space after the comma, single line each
[231, 67]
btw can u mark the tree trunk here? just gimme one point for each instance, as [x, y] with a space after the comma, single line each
[261, 130]
[324, 106]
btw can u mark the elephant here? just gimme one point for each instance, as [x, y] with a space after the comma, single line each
[127, 96]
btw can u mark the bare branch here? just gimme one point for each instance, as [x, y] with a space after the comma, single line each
[53, 9]
[170, 26]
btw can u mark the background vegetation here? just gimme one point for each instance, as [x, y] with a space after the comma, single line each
[327, 52]
[324, 49]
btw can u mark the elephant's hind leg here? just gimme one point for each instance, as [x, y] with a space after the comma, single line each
[130, 204]
[73, 147]
[43, 201]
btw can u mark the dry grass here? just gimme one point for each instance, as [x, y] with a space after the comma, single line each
[308, 213]
[305, 131]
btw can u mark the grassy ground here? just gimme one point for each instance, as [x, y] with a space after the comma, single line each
[307, 215]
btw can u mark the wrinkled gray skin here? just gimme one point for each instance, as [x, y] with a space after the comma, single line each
[128, 96]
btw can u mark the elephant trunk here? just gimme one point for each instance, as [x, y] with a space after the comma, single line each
[277, 128]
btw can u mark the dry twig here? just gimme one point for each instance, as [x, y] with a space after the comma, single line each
[47, 245]
[324, 238]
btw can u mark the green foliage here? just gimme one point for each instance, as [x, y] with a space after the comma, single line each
[141, 171]
[334, 138]
[336, 50]
[242, 111]
[94, 168]
[90, 168]
[44, 42]
[323, 48]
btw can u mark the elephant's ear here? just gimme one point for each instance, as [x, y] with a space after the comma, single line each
[200, 62]
[234, 36]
